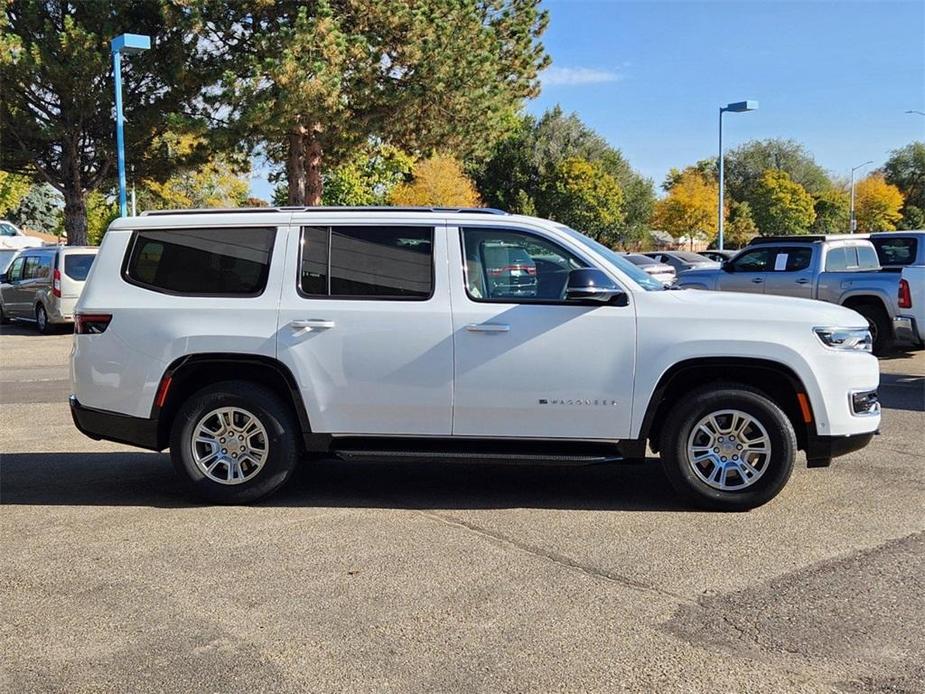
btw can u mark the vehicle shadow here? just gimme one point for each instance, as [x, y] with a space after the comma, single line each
[902, 392]
[148, 479]
[28, 329]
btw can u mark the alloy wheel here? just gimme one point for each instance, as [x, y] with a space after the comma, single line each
[729, 450]
[229, 445]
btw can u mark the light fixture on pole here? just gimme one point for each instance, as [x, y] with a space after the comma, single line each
[737, 107]
[853, 223]
[123, 44]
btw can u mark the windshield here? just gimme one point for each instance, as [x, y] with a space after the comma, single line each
[640, 277]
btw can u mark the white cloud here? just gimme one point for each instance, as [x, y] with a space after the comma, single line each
[556, 76]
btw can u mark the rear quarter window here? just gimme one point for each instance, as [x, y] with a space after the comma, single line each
[77, 266]
[899, 251]
[202, 262]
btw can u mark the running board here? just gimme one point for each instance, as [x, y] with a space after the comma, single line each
[476, 451]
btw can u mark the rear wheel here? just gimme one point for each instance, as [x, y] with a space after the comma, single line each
[728, 447]
[41, 320]
[4, 318]
[235, 442]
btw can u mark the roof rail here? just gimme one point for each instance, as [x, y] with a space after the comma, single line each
[447, 210]
[811, 238]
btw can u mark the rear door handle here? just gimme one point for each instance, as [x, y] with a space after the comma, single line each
[757, 280]
[488, 328]
[311, 324]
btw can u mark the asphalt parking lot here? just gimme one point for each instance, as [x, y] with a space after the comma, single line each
[462, 578]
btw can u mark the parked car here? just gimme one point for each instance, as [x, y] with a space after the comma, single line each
[897, 249]
[837, 269]
[42, 285]
[682, 261]
[910, 323]
[12, 237]
[509, 270]
[662, 272]
[6, 257]
[719, 256]
[246, 340]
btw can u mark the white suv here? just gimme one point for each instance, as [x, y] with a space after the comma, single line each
[246, 340]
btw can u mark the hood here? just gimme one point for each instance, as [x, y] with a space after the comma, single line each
[765, 308]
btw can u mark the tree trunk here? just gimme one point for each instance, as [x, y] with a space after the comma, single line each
[295, 166]
[75, 216]
[75, 205]
[314, 184]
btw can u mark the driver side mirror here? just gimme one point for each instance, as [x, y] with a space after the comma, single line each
[591, 284]
[4, 278]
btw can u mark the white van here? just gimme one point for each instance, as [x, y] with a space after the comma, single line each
[42, 285]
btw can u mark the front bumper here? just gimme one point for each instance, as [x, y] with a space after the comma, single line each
[112, 426]
[906, 331]
[821, 449]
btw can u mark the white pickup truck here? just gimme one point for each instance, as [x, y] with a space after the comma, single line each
[247, 340]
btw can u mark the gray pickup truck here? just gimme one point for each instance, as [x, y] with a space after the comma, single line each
[838, 269]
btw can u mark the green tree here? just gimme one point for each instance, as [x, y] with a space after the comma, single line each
[56, 77]
[517, 171]
[905, 169]
[368, 177]
[913, 218]
[216, 183]
[746, 165]
[781, 205]
[741, 227]
[40, 210]
[705, 168]
[582, 195]
[832, 209]
[13, 189]
[102, 209]
[316, 80]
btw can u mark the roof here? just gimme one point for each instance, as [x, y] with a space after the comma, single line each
[811, 238]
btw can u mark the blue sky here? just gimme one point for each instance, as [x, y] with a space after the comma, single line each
[650, 76]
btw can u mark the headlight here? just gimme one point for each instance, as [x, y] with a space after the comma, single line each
[848, 339]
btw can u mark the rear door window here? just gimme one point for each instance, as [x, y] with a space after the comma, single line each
[792, 259]
[232, 261]
[77, 266]
[367, 262]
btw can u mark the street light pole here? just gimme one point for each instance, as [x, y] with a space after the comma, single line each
[852, 222]
[737, 107]
[127, 44]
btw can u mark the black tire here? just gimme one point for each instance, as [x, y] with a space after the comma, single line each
[4, 319]
[686, 414]
[41, 320]
[880, 328]
[276, 417]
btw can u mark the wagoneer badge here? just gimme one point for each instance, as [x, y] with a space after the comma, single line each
[580, 403]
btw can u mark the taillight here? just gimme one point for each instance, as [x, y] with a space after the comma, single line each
[91, 323]
[905, 296]
[56, 283]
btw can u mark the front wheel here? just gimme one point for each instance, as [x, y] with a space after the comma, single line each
[41, 320]
[728, 447]
[235, 442]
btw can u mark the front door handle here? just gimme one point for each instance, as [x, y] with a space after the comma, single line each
[803, 281]
[757, 280]
[488, 328]
[311, 324]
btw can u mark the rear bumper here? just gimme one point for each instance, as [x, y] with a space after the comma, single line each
[906, 331]
[112, 426]
[821, 449]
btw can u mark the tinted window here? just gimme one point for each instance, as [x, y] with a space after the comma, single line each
[836, 260]
[895, 251]
[7, 230]
[379, 262]
[202, 262]
[77, 266]
[758, 260]
[792, 259]
[513, 266]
